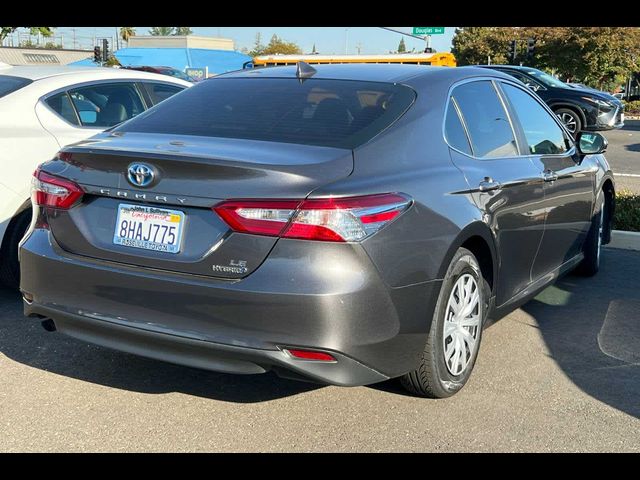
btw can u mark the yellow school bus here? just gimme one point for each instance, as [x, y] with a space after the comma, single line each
[443, 59]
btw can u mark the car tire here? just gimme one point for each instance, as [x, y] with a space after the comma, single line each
[9, 265]
[438, 374]
[592, 248]
[571, 120]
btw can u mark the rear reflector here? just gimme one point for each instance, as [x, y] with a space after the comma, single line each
[54, 192]
[349, 219]
[311, 355]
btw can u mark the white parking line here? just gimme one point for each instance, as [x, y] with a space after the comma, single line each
[625, 174]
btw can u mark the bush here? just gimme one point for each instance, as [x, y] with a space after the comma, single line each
[632, 107]
[627, 216]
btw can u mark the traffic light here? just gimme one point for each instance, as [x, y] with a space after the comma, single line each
[105, 50]
[511, 55]
[531, 47]
[97, 55]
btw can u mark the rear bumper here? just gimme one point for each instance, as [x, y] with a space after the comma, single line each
[314, 295]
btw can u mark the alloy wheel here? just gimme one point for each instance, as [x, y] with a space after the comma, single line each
[569, 121]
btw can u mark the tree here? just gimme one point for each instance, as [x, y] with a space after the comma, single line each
[258, 47]
[161, 31]
[313, 50]
[598, 56]
[278, 46]
[127, 32]
[44, 31]
[401, 46]
[53, 45]
[183, 31]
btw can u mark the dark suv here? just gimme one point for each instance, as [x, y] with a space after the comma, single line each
[579, 109]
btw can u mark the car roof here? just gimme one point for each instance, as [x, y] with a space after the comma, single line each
[520, 68]
[37, 72]
[364, 72]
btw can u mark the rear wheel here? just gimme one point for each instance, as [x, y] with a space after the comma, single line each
[456, 330]
[9, 266]
[593, 244]
[570, 119]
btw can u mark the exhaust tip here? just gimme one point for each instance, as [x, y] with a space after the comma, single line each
[48, 325]
[27, 297]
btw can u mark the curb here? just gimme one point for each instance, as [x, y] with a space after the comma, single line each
[625, 240]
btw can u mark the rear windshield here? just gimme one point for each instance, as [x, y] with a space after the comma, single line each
[334, 113]
[10, 84]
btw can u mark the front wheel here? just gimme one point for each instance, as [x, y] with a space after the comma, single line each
[593, 244]
[456, 330]
[570, 119]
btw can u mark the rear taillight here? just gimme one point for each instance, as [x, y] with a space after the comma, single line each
[54, 192]
[349, 219]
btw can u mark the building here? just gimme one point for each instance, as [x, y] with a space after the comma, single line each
[177, 41]
[41, 56]
[217, 55]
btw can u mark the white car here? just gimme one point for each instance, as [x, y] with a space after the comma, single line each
[43, 109]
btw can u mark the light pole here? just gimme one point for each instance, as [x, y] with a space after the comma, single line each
[346, 39]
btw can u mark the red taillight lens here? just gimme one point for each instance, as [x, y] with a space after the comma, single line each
[311, 355]
[54, 192]
[258, 217]
[349, 219]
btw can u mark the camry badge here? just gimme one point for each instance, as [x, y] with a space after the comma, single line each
[140, 175]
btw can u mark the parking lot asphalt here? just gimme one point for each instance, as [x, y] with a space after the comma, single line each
[560, 374]
[623, 155]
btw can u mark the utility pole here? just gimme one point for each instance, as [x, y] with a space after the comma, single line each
[359, 47]
[73, 30]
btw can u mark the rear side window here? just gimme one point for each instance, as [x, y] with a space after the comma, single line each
[61, 104]
[334, 113]
[9, 84]
[543, 134]
[106, 105]
[487, 122]
[161, 91]
[454, 130]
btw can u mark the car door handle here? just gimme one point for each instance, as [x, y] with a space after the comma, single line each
[489, 184]
[549, 176]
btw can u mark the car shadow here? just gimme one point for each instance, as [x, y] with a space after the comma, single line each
[591, 327]
[634, 147]
[24, 340]
[633, 125]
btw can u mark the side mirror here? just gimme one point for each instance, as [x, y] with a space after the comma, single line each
[591, 143]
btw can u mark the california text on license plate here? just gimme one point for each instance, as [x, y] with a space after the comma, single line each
[150, 228]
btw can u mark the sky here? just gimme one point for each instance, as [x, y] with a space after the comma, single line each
[328, 40]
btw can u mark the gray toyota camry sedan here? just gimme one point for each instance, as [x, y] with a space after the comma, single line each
[344, 224]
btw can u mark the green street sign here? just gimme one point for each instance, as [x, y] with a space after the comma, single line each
[428, 30]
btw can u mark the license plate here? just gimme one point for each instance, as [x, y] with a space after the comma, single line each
[149, 228]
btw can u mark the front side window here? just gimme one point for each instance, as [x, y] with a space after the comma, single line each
[543, 134]
[106, 105]
[486, 119]
[161, 91]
